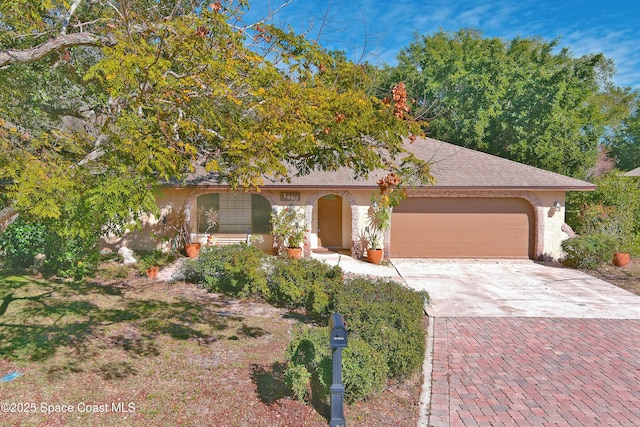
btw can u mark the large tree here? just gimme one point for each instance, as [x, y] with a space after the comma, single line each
[624, 144]
[102, 99]
[523, 99]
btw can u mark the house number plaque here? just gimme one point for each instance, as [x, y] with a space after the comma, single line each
[289, 196]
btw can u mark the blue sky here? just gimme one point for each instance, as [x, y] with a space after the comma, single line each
[376, 31]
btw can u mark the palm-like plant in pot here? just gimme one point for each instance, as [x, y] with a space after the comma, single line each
[288, 230]
[179, 221]
[379, 223]
[210, 216]
[382, 203]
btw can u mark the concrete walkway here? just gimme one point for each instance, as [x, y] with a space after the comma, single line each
[519, 343]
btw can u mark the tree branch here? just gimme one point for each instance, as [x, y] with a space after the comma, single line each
[264, 20]
[13, 56]
[67, 16]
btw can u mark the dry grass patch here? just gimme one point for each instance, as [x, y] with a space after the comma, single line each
[627, 277]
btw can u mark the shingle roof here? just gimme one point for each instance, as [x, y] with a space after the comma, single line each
[454, 167]
[633, 172]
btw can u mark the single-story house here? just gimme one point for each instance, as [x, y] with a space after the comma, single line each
[481, 206]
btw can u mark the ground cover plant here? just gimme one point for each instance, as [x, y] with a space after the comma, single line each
[124, 350]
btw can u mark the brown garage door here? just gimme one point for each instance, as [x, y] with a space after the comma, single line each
[462, 228]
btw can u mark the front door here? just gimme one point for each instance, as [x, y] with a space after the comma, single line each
[330, 221]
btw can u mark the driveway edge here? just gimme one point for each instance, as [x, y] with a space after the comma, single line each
[427, 370]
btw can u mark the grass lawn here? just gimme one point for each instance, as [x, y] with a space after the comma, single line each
[120, 350]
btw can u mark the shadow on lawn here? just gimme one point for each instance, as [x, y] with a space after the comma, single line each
[271, 387]
[37, 317]
[270, 384]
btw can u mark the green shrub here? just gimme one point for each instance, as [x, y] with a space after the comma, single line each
[365, 371]
[67, 256]
[635, 246]
[589, 251]
[388, 316]
[309, 362]
[612, 208]
[310, 366]
[148, 259]
[233, 269]
[21, 242]
[303, 283]
[298, 378]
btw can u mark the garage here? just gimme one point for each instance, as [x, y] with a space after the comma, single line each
[432, 227]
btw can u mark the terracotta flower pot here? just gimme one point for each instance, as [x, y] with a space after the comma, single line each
[152, 272]
[192, 250]
[374, 256]
[294, 253]
[620, 259]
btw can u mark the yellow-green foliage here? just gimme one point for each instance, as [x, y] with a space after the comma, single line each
[87, 132]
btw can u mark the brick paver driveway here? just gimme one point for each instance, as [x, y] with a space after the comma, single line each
[530, 346]
[535, 372]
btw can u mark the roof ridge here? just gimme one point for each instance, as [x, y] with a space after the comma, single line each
[493, 156]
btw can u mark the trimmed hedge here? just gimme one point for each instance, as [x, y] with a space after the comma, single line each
[303, 283]
[388, 316]
[233, 269]
[384, 318]
[310, 366]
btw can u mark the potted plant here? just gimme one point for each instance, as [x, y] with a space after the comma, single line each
[149, 264]
[622, 238]
[191, 248]
[288, 230]
[180, 222]
[179, 226]
[210, 216]
[379, 223]
[382, 203]
[620, 259]
[622, 254]
[374, 248]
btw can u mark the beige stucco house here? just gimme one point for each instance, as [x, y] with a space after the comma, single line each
[481, 206]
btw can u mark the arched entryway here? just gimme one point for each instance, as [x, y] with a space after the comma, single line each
[330, 221]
